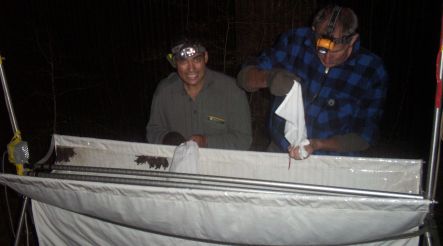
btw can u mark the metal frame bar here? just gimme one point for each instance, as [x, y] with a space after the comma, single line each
[432, 175]
[206, 181]
[431, 179]
[8, 100]
[434, 154]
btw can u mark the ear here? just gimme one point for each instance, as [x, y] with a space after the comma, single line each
[206, 57]
[351, 43]
[354, 39]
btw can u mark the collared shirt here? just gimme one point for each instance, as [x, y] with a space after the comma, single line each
[220, 112]
[346, 99]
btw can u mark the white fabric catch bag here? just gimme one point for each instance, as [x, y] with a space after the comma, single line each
[185, 159]
[292, 110]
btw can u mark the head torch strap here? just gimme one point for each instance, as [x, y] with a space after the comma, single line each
[333, 20]
[344, 39]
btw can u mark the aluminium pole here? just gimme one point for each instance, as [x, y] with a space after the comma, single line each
[433, 163]
[17, 138]
[8, 98]
[434, 155]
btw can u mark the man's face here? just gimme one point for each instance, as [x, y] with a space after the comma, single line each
[341, 52]
[192, 70]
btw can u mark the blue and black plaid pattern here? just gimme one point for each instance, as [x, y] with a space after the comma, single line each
[349, 98]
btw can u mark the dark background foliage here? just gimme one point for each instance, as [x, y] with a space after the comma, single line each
[89, 68]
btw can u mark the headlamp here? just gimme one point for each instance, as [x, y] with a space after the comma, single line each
[185, 50]
[326, 42]
[324, 45]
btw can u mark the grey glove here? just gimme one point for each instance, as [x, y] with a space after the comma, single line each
[173, 138]
[280, 81]
[251, 78]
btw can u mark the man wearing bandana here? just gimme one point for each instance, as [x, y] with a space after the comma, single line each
[343, 85]
[199, 104]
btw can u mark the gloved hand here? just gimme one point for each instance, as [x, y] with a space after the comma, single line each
[173, 138]
[251, 78]
[280, 81]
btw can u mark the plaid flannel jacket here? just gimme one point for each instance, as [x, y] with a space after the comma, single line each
[349, 98]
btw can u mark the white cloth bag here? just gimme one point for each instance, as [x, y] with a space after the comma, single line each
[292, 110]
[185, 159]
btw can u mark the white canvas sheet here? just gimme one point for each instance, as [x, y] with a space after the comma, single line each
[393, 175]
[69, 212]
[114, 213]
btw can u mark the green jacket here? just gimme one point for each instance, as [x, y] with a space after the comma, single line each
[220, 112]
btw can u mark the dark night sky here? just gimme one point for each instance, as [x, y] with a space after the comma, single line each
[89, 68]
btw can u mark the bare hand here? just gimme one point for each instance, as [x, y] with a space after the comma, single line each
[296, 153]
[201, 140]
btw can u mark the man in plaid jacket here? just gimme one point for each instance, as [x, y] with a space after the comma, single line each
[343, 85]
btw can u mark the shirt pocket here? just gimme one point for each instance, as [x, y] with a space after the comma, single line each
[215, 124]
